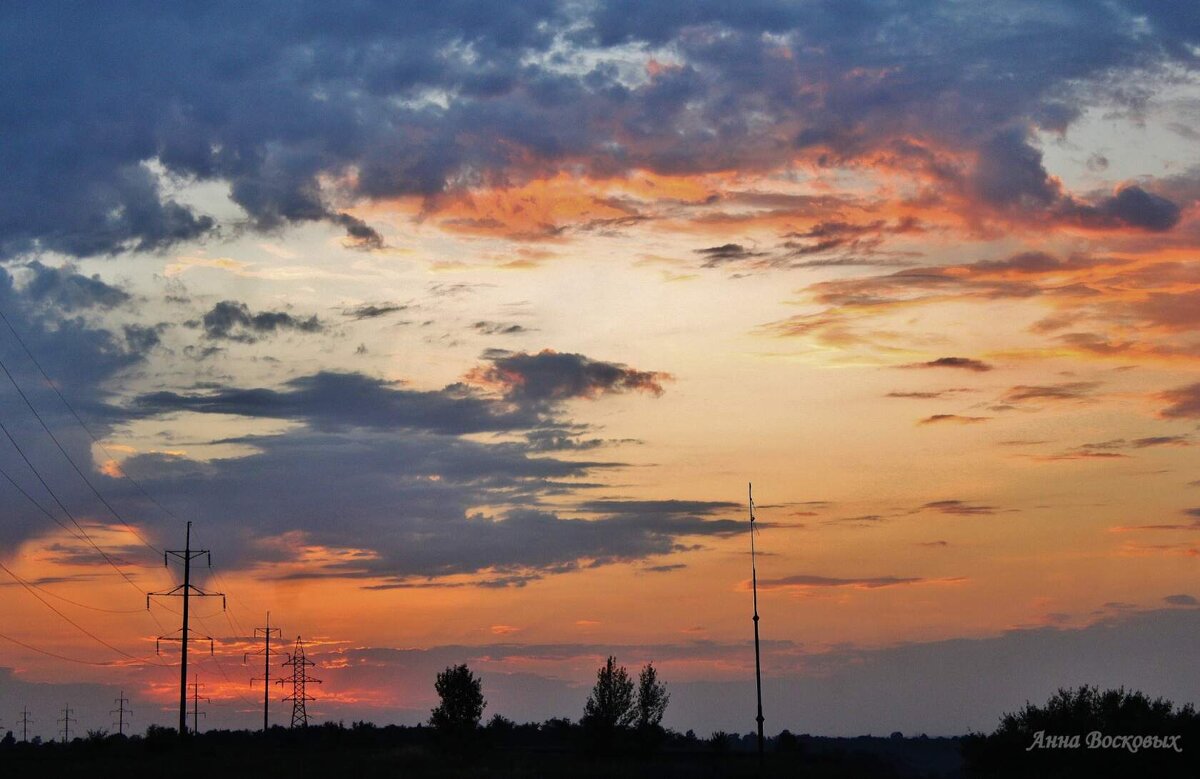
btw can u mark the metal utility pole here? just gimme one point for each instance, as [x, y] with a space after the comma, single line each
[757, 654]
[66, 721]
[196, 713]
[121, 711]
[266, 652]
[300, 681]
[25, 721]
[186, 555]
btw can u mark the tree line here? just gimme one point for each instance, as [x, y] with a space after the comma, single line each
[616, 703]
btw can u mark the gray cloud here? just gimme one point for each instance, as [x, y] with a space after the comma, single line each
[959, 419]
[715, 256]
[1184, 402]
[329, 400]
[959, 507]
[408, 501]
[963, 363]
[68, 290]
[231, 320]
[550, 376]
[373, 310]
[868, 583]
[658, 507]
[343, 477]
[1073, 391]
[498, 328]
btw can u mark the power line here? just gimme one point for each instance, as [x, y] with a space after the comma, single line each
[73, 533]
[96, 439]
[75, 414]
[230, 617]
[65, 599]
[82, 533]
[57, 656]
[12, 379]
[72, 622]
[217, 661]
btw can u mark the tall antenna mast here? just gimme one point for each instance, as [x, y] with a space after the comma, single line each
[757, 653]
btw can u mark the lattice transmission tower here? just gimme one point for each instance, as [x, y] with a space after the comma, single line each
[299, 680]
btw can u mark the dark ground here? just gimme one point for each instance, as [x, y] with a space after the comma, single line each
[560, 749]
[550, 750]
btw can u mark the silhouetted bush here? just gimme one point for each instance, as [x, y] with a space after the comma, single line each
[787, 743]
[1088, 733]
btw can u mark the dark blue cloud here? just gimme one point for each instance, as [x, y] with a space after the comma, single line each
[329, 401]
[231, 320]
[419, 99]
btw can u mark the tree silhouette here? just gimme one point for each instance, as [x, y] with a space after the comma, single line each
[462, 700]
[652, 698]
[611, 704]
[1056, 738]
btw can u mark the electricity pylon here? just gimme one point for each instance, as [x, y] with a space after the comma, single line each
[66, 721]
[266, 652]
[121, 711]
[186, 555]
[300, 681]
[25, 722]
[196, 713]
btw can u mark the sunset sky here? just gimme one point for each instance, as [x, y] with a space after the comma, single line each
[459, 329]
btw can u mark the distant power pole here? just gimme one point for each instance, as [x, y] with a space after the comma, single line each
[266, 652]
[25, 721]
[196, 713]
[300, 681]
[66, 721]
[757, 656]
[186, 555]
[121, 711]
